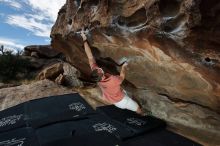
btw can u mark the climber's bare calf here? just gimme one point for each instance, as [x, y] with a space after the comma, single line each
[110, 84]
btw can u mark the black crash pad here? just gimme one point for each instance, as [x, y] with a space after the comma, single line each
[19, 137]
[138, 124]
[13, 117]
[57, 108]
[90, 126]
[95, 139]
[160, 137]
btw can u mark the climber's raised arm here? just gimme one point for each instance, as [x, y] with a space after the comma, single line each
[122, 73]
[88, 50]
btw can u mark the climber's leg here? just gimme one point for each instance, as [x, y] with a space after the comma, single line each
[139, 111]
[130, 104]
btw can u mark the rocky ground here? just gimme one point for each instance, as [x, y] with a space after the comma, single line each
[38, 89]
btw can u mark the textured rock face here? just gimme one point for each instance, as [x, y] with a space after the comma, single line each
[172, 47]
[62, 73]
[51, 72]
[71, 76]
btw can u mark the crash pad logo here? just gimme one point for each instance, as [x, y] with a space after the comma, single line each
[104, 127]
[135, 121]
[13, 142]
[77, 106]
[10, 120]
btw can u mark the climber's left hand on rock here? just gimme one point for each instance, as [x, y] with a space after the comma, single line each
[83, 35]
[125, 64]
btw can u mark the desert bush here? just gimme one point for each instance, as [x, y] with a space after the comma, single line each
[11, 65]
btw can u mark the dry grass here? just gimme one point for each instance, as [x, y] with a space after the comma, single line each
[27, 81]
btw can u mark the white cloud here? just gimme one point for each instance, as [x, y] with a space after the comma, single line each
[11, 43]
[47, 40]
[12, 3]
[49, 8]
[30, 23]
[37, 17]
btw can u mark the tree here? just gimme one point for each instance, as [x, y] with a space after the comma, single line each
[11, 65]
[2, 49]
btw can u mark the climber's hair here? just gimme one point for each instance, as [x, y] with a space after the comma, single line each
[96, 76]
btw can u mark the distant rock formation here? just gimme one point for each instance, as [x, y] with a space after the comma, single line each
[43, 51]
[42, 57]
[173, 52]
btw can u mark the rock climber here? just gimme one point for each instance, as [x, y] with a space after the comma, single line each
[110, 85]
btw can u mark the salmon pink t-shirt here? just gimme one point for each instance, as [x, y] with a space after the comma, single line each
[110, 86]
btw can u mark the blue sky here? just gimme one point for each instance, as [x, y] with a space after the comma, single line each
[27, 22]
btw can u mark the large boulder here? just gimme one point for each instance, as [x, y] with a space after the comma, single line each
[173, 51]
[71, 76]
[39, 63]
[62, 73]
[43, 51]
[40, 57]
[51, 72]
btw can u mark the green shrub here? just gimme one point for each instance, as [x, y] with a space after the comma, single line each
[11, 65]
